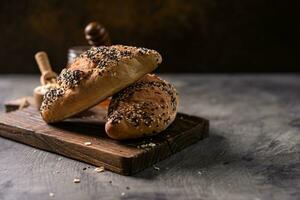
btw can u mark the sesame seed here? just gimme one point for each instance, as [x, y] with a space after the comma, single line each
[134, 114]
[76, 180]
[99, 169]
[104, 55]
[156, 168]
[152, 144]
[70, 79]
[87, 143]
[145, 146]
[53, 94]
[51, 194]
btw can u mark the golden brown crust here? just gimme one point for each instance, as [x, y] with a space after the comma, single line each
[97, 74]
[145, 108]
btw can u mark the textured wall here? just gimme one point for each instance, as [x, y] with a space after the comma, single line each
[192, 35]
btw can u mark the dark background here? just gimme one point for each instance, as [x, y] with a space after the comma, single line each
[192, 35]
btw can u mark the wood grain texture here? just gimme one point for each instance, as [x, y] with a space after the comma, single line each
[68, 138]
[253, 151]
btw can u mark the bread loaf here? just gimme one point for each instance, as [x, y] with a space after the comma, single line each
[95, 75]
[145, 108]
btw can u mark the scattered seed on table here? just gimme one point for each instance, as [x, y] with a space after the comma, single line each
[76, 180]
[99, 169]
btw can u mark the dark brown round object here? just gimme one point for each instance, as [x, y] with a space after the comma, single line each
[96, 34]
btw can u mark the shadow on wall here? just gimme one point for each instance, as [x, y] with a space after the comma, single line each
[192, 36]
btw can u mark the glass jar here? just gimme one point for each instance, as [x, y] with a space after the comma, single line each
[75, 51]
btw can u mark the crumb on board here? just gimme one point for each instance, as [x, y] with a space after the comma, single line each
[145, 146]
[60, 158]
[51, 194]
[99, 169]
[123, 194]
[87, 143]
[76, 180]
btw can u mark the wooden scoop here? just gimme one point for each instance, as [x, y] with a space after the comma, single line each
[48, 77]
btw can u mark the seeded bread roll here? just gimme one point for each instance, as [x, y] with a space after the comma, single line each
[95, 75]
[145, 108]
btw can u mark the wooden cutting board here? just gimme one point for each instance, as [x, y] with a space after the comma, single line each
[68, 138]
